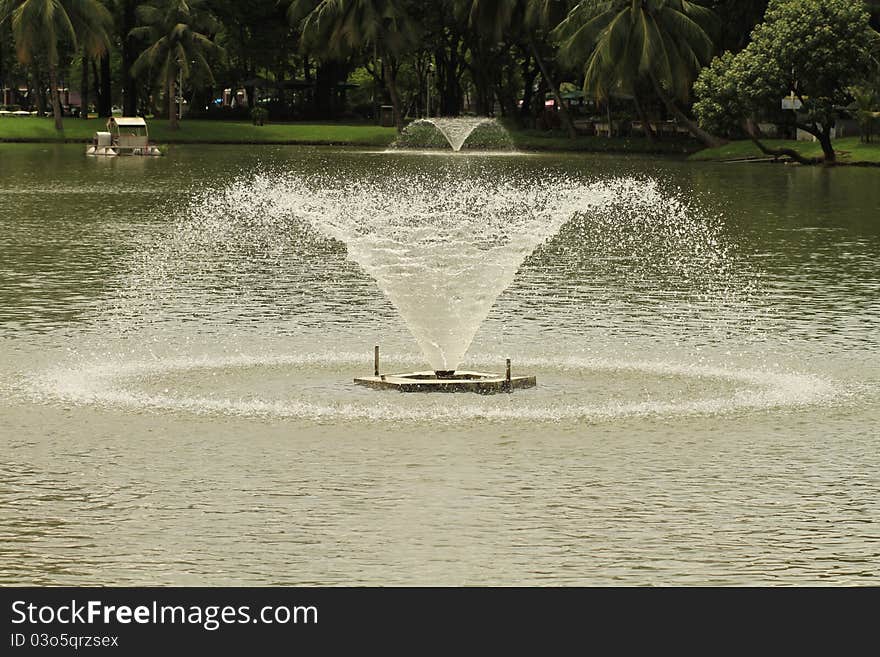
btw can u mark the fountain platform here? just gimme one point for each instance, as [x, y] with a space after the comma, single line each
[479, 382]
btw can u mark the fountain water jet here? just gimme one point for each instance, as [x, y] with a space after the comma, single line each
[441, 246]
[442, 249]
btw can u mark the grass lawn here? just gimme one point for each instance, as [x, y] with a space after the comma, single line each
[225, 132]
[34, 129]
[850, 150]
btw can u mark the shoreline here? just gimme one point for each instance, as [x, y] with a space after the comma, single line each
[526, 148]
[852, 152]
[533, 145]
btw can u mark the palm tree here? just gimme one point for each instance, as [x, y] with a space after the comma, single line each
[496, 18]
[172, 29]
[40, 26]
[125, 20]
[664, 42]
[335, 28]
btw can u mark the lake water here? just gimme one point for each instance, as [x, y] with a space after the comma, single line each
[177, 406]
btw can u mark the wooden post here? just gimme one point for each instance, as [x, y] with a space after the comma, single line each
[376, 361]
[507, 382]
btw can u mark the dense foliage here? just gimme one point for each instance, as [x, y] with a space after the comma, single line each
[812, 51]
[525, 60]
[627, 46]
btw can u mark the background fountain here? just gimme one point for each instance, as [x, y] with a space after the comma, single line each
[475, 132]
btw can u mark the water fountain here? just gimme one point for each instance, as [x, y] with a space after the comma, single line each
[456, 131]
[442, 250]
[441, 246]
[294, 273]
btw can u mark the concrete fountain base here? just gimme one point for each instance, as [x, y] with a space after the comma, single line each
[479, 382]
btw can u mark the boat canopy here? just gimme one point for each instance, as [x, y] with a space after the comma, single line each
[127, 122]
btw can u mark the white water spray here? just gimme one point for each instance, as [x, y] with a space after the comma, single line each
[456, 130]
[442, 248]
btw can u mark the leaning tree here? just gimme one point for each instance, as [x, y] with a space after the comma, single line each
[811, 51]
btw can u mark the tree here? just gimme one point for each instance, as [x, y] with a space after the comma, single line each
[812, 51]
[623, 42]
[874, 8]
[443, 35]
[336, 28]
[495, 18]
[6, 76]
[125, 18]
[258, 42]
[43, 27]
[172, 30]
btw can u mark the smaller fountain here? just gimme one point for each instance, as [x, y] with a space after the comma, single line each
[445, 380]
[455, 130]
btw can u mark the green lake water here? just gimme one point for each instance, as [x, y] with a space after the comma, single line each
[176, 365]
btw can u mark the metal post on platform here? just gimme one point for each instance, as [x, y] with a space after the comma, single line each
[376, 361]
[507, 381]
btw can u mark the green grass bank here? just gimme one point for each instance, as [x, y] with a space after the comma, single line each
[850, 150]
[536, 140]
[35, 129]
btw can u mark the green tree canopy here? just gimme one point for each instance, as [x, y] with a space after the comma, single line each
[810, 50]
[40, 27]
[622, 42]
[177, 34]
[336, 28]
[497, 19]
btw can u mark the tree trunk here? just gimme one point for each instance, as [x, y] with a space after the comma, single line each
[824, 138]
[754, 134]
[84, 89]
[708, 139]
[784, 152]
[391, 84]
[173, 123]
[643, 117]
[106, 109]
[96, 86]
[506, 95]
[447, 60]
[56, 99]
[608, 117]
[326, 77]
[39, 90]
[129, 54]
[451, 98]
[529, 74]
[563, 110]
[3, 81]
[484, 98]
